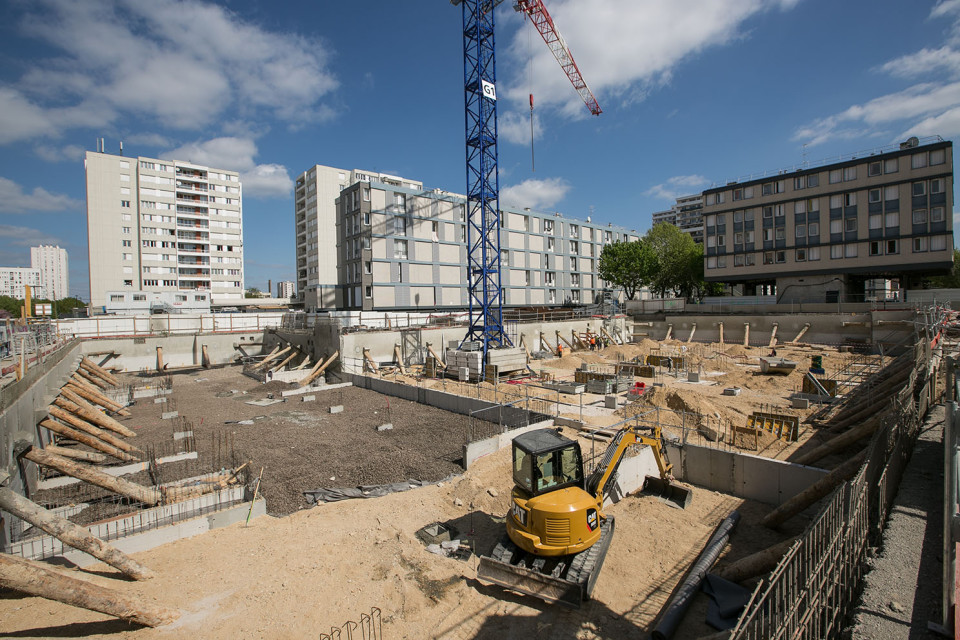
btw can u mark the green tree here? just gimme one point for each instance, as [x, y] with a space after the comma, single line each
[252, 292]
[671, 250]
[625, 265]
[951, 281]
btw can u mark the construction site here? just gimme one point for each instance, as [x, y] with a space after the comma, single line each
[232, 480]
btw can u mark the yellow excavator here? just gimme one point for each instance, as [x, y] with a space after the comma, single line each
[557, 532]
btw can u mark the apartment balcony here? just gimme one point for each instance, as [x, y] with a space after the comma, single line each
[190, 260]
[197, 285]
[193, 273]
[190, 187]
[197, 201]
[193, 250]
[191, 173]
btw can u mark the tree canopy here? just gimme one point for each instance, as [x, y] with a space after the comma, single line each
[61, 308]
[665, 259]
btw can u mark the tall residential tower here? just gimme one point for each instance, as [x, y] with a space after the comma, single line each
[163, 225]
[54, 271]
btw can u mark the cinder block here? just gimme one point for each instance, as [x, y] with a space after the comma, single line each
[308, 398]
[167, 415]
[385, 427]
[336, 408]
[159, 401]
[610, 401]
[801, 403]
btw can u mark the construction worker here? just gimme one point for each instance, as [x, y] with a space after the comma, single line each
[593, 343]
[559, 349]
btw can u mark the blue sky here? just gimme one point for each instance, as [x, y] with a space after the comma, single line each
[694, 92]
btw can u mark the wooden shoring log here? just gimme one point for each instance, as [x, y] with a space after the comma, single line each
[841, 441]
[367, 359]
[720, 326]
[89, 413]
[97, 370]
[71, 534]
[204, 357]
[523, 345]
[97, 398]
[398, 358]
[160, 366]
[544, 345]
[693, 330]
[92, 379]
[87, 439]
[773, 335]
[669, 331]
[814, 492]
[560, 337]
[306, 361]
[81, 424]
[284, 362]
[746, 334]
[94, 476]
[439, 360]
[806, 326]
[608, 335]
[318, 370]
[263, 363]
[38, 579]
[576, 339]
[76, 454]
[756, 564]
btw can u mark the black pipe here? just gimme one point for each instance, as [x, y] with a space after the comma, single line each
[673, 613]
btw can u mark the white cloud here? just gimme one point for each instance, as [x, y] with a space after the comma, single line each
[514, 126]
[228, 152]
[13, 199]
[639, 45]
[677, 186]
[148, 139]
[70, 152]
[536, 194]
[924, 62]
[267, 181]
[184, 63]
[28, 237]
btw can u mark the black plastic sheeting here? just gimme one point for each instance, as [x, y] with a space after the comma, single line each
[364, 491]
[683, 596]
[727, 600]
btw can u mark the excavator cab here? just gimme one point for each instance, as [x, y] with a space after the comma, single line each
[545, 461]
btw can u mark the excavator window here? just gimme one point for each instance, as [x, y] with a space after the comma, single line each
[558, 468]
[522, 469]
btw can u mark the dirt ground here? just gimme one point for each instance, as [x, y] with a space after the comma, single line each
[314, 569]
[301, 575]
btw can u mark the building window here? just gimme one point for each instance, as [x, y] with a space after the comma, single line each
[125, 204]
[891, 165]
[738, 260]
[937, 156]
[552, 296]
[551, 244]
[749, 237]
[850, 251]
[549, 278]
[836, 175]
[768, 235]
[849, 173]
[936, 186]
[875, 222]
[721, 241]
[738, 238]
[919, 245]
[918, 160]
[548, 226]
[919, 216]
[893, 219]
[573, 264]
[936, 214]
[526, 278]
[919, 189]
[875, 248]
[801, 255]
[768, 212]
[712, 262]
[400, 199]
[836, 251]
[781, 233]
[781, 257]
[125, 229]
[737, 195]
[874, 169]
[128, 283]
[850, 225]
[368, 292]
[850, 199]
[801, 231]
[400, 249]
[813, 253]
[938, 243]
[574, 246]
[768, 257]
[891, 193]
[893, 247]
[874, 195]
[751, 259]
[813, 229]
[126, 243]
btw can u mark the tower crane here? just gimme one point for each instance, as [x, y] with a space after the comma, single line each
[484, 288]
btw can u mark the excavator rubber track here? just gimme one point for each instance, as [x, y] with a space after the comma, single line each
[566, 580]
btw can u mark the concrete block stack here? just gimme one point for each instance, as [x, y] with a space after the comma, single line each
[507, 360]
[472, 361]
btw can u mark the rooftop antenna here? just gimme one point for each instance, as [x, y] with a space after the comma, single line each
[121, 147]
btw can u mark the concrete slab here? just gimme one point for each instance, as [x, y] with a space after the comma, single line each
[384, 427]
[266, 402]
[314, 389]
[169, 415]
[309, 398]
[338, 408]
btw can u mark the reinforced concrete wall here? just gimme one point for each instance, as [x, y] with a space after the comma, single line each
[851, 328]
[22, 405]
[743, 475]
[134, 354]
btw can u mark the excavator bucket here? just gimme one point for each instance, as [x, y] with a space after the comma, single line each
[671, 492]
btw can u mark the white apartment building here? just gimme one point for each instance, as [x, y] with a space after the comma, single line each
[163, 226]
[315, 217]
[286, 289]
[13, 280]
[405, 249]
[54, 271]
[686, 215]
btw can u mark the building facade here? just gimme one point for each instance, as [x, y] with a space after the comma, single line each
[54, 270]
[686, 215]
[163, 226]
[406, 249]
[154, 302]
[825, 233]
[286, 289]
[315, 214]
[14, 279]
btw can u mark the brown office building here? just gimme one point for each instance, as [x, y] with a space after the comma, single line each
[827, 233]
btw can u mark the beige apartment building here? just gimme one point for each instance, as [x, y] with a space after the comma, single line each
[163, 226]
[405, 249]
[822, 234]
[52, 263]
[315, 218]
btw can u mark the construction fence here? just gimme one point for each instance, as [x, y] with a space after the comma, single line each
[815, 587]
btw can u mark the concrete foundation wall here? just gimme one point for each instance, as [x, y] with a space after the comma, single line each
[855, 328]
[135, 354]
[473, 451]
[746, 476]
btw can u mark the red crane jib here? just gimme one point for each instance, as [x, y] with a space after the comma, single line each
[544, 23]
